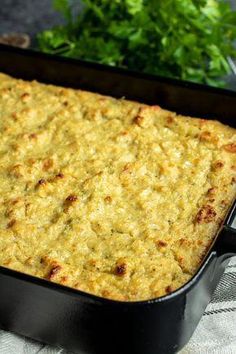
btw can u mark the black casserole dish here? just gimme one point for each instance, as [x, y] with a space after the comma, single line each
[85, 323]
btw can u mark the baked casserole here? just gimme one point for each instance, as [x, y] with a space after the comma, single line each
[115, 198]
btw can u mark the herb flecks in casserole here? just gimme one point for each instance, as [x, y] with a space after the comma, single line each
[111, 197]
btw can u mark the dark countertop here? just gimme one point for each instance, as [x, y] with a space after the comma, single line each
[32, 16]
[29, 16]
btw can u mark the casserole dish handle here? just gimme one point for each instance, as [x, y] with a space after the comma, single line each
[227, 238]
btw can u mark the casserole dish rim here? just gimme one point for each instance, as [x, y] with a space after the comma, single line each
[76, 292]
[167, 297]
[116, 69]
[210, 251]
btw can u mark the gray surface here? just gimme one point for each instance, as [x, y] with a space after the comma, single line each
[29, 16]
[233, 3]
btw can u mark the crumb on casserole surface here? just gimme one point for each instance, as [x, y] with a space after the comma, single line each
[111, 197]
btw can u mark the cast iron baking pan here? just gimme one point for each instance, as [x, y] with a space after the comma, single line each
[85, 323]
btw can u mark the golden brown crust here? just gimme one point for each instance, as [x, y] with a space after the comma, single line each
[108, 196]
[206, 214]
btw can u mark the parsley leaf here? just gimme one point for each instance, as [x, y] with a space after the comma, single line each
[186, 39]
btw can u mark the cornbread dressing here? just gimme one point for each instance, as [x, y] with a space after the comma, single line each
[111, 197]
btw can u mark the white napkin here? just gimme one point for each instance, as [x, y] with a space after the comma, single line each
[215, 334]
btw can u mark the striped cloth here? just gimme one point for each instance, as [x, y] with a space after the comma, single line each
[215, 334]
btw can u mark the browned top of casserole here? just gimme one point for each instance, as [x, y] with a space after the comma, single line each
[111, 197]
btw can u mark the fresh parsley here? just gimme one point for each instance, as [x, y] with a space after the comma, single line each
[186, 39]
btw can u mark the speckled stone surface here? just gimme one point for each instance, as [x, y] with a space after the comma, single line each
[29, 16]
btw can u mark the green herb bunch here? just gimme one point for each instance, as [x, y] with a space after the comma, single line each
[186, 39]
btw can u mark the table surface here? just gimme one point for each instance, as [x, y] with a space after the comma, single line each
[29, 16]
